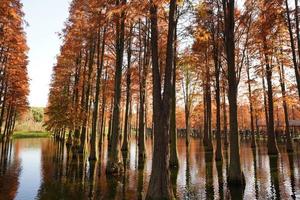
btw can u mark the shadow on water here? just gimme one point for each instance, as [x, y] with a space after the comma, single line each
[275, 190]
[140, 183]
[188, 174]
[255, 172]
[209, 188]
[219, 166]
[236, 192]
[65, 175]
[292, 175]
[10, 169]
[5, 156]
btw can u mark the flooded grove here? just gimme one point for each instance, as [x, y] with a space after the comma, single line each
[45, 169]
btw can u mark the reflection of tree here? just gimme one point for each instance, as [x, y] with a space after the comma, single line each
[140, 186]
[188, 174]
[274, 176]
[236, 191]
[255, 172]
[174, 175]
[9, 170]
[125, 156]
[291, 164]
[220, 178]
[54, 185]
[209, 188]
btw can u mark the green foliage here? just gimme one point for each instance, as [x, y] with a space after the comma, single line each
[31, 121]
[38, 114]
[26, 134]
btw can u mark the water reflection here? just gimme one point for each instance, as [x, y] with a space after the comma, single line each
[209, 188]
[274, 177]
[219, 166]
[45, 169]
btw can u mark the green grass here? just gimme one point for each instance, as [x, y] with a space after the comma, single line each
[31, 134]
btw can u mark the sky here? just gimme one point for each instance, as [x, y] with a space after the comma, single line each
[46, 19]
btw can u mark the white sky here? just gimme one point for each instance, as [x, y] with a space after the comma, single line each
[46, 18]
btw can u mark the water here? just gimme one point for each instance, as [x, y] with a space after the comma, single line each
[42, 169]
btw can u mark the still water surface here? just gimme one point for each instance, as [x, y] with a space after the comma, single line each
[43, 169]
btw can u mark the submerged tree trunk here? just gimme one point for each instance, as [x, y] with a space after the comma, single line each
[272, 145]
[235, 175]
[173, 130]
[160, 186]
[128, 95]
[217, 62]
[187, 108]
[113, 161]
[100, 62]
[143, 67]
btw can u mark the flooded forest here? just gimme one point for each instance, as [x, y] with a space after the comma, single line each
[152, 99]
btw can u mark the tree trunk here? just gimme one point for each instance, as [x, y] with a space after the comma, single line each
[110, 124]
[3, 109]
[128, 94]
[272, 145]
[113, 161]
[217, 62]
[100, 62]
[297, 30]
[187, 122]
[296, 67]
[86, 98]
[225, 116]
[253, 143]
[103, 114]
[173, 130]
[289, 144]
[265, 98]
[143, 76]
[160, 186]
[207, 110]
[235, 175]
[78, 145]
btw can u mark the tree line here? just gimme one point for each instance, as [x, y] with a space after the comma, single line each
[14, 82]
[145, 65]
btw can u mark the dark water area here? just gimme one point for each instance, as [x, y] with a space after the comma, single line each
[44, 169]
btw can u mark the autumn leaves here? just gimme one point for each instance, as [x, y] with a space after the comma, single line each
[14, 83]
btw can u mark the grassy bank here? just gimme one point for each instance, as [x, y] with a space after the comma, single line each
[31, 134]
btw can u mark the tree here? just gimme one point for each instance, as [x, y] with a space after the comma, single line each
[235, 175]
[113, 155]
[160, 183]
